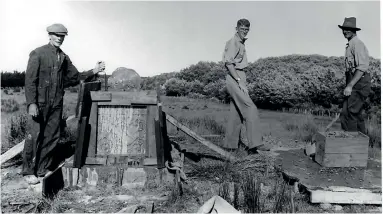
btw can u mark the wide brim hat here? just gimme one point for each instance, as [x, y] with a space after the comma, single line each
[58, 29]
[349, 24]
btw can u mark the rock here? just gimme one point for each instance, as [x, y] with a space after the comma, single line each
[124, 79]
[337, 207]
[325, 206]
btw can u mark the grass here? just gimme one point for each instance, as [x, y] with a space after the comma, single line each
[304, 127]
[9, 105]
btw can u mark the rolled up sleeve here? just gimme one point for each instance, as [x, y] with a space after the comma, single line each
[31, 78]
[361, 57]
[231, 50]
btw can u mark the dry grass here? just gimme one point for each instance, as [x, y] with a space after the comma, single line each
[304, 127]
[9, 105]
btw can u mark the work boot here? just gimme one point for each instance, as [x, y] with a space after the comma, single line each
[31, 179]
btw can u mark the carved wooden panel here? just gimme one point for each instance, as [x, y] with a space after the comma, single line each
[121, 130]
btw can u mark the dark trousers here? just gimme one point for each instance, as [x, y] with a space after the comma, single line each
[42, 138]
[351, 117]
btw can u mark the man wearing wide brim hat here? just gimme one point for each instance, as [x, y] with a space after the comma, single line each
[358, 79]
[49, 71]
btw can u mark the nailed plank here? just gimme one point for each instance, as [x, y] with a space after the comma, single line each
[79, 152]
[321, 196]
[93, 118]
[205, 142]
[126, 98]
[150, 133]
[95, 161]
[345, 160]
[17, 149]
[99, 96]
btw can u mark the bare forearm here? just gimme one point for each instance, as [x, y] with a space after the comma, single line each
[358, 74]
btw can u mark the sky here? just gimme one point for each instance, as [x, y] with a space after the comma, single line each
[160, 37]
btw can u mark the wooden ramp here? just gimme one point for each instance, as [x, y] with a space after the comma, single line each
[341, 185]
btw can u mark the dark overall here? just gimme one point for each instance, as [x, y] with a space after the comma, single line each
[49, 71]
[351, 117]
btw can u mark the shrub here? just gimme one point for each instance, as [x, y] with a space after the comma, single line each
[9, 105]
[196, 96]
[16, 90]
[5, 91]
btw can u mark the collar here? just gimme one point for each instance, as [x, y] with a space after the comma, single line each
[353, 38]
[53, 48]
[239, 38]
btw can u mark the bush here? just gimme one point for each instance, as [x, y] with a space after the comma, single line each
[9, 105]
[5, 91]
[16, 90]
[196, 96]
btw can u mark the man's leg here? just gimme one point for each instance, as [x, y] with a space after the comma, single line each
[33, 129]
[249, 112]
[233, 128]
[51, 139]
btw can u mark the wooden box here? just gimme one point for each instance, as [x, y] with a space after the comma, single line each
[341, 149]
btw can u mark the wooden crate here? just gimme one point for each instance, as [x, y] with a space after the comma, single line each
[342, 149]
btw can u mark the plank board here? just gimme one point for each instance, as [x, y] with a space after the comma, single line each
[121, 130]
[93, 118]
[345, 160]
[124, 98]
[205, 142]
[150, 135]
[321, 196]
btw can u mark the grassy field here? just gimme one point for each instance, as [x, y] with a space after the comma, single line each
[250, 185]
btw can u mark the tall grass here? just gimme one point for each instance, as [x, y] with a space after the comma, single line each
[304, 127]
[200, 125]
[373, 128]
[15, 130]
[9, 105]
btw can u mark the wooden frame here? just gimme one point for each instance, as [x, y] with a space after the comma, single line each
[90, 108]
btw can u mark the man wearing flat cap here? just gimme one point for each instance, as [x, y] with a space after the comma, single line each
[49, 71]
[358, 79]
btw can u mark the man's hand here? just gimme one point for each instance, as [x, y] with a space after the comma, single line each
[243, 87]
[33, 110]
[100, 67]
[347, 91]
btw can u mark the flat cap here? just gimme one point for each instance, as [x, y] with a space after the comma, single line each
[57, 29]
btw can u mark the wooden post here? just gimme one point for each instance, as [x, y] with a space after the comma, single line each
[78, 156]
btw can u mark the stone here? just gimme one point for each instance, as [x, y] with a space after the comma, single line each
[134, 177]
[337, 207]
[124, 79]
[325, 206]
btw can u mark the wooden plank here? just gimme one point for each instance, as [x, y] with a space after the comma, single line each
[138, 97]
[320, 196]
[18, 148]
[12, 152]
[79, 158]
[99, 96]
[95, 161]
[349, 145]
[207, 143]
[159, 141]
[116, 102]
[345, 160]
[79, 100]
[93, 120]
[150, 133]
[150, 162]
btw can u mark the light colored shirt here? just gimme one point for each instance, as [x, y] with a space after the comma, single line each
[356, 56]
[235, 52]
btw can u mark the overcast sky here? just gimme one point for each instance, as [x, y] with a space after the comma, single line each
[158, 37]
